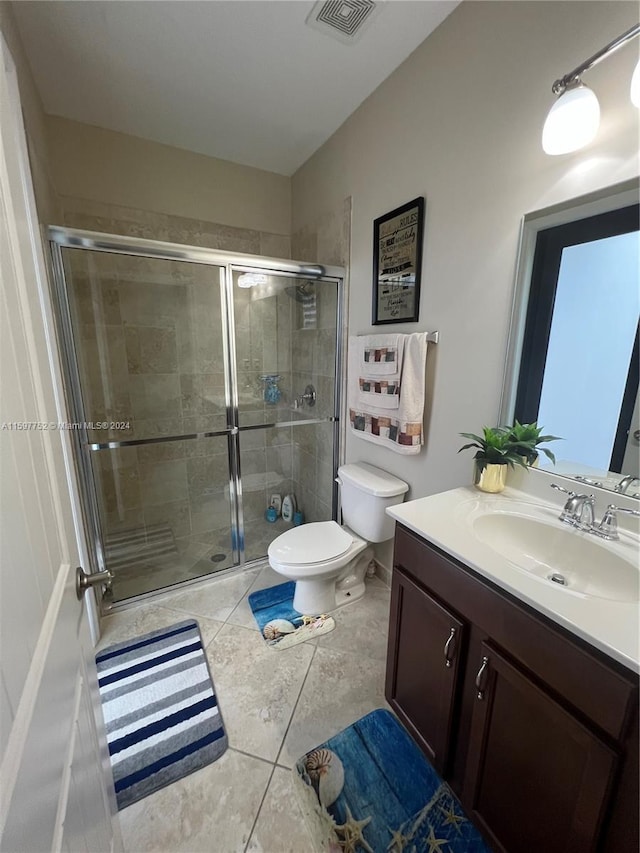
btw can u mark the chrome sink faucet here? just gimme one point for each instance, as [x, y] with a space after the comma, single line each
[624, 484]
[579, 510]
[608, 527]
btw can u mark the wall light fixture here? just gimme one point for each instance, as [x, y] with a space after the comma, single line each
[574, 118]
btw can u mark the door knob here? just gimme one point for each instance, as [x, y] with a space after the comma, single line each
[85, 581]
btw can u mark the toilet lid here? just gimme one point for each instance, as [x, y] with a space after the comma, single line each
[310, 543]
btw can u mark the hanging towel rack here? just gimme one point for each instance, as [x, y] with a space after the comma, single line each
[432, 337]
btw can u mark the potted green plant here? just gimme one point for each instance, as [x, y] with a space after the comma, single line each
[495, 453]
[527, 437]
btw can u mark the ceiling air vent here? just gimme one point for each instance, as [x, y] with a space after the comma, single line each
[343, 19]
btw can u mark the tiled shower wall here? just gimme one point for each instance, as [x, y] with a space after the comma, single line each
[132, 222]
[326, 241]
[160, 345]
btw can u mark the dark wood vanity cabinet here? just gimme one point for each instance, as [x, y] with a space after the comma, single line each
[423, 678]
[534, 730]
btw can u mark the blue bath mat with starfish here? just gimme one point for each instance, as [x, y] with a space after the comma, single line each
[281, 625]
[370, 788]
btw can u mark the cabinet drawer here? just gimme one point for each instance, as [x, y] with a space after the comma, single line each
[595, 687]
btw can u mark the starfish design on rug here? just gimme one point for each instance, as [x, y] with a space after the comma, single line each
[435, 844]
[452, 817]
[351, 831]
[314, 620]
[398, 841]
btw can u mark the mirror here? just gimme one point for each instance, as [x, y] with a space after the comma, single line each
[572, 361]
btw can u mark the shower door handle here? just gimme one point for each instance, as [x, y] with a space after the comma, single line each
[85, 581]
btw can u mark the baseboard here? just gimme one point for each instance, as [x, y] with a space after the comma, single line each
[383, 573]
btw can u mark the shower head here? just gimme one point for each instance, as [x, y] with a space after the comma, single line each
[302, 292]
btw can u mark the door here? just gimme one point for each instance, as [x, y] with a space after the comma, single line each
[536, 777]
[287, 355]
[147, 367]
[425, 645]
[57, 794]
[203, 392]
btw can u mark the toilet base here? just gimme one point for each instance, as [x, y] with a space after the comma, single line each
[313, 597]
[345, 596]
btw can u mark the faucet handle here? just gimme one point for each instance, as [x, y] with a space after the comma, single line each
[568, 511]
[623, 510]
[608, 527]
[562, 489]
[587, 481]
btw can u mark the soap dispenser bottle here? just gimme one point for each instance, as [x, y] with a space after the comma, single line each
[288, 508]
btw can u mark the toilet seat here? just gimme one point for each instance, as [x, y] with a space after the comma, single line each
[310, 544]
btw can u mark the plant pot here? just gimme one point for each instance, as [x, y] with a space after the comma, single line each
[489, 478]
[533, 464]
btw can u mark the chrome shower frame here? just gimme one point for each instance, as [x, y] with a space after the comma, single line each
[227, 263]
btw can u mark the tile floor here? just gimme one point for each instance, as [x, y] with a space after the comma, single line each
[276, 705]
[192, 559]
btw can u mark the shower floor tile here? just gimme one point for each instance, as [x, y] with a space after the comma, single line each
[194, 556]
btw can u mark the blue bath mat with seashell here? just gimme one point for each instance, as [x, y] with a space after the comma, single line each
[281, 625]
[370, 788]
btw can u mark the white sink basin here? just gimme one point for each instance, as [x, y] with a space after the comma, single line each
[516, 541]
[572, 560]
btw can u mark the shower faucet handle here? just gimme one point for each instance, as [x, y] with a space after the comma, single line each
[308, 397]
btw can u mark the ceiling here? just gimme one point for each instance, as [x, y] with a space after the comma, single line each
[243, 80]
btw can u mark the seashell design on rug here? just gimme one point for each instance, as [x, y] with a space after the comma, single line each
[277, 628]
[326, 773]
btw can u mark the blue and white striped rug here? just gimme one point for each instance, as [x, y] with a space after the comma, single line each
[160, 710]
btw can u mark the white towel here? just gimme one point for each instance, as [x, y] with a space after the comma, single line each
[379, 393]
[381, 354]
[402, 429]
[380, 366]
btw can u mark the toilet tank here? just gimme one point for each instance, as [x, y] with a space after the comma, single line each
[366, 491]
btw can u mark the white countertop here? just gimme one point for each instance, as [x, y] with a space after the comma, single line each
[443, 519]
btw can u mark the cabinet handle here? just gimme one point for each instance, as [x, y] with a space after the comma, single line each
[480, 685]
[450, 648]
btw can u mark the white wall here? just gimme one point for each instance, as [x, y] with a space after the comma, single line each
[460, 122]
[34, 120]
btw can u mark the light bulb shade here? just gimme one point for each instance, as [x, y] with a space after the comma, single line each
[635, 87]
[572, 122]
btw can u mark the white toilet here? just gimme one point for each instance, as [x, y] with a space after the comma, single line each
[328, 562]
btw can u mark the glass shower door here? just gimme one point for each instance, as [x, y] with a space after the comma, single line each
[149, 347]
[286, 352]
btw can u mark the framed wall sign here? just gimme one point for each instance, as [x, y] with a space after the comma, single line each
[397, 263]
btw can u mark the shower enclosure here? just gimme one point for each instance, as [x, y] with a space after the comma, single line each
[201, 385]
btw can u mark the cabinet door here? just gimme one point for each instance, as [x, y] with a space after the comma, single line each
[422, 665]
[536, 778]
